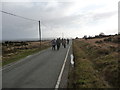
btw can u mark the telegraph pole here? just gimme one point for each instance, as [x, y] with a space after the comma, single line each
[39, 34]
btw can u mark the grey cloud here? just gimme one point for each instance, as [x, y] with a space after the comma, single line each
[40, 12]
[104, 15]
[53, 17]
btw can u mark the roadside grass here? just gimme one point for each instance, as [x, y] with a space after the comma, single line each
[108, 68]
[95, 66]
[105, 62]
[86, 76]
[20, 54]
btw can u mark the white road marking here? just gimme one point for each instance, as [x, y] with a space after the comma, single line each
[60, 75]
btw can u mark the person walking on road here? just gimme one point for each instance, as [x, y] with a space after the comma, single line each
[58, 42]
[53, 44]
[64, 43]
[67, 41]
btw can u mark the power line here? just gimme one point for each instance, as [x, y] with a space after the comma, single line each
[26, 19]
[18, 16]
[44, 25]
[21, 17]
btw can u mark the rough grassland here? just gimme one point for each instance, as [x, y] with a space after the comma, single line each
[19, 54]
[95, 66]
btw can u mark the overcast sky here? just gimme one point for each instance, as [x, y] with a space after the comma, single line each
[59, 18]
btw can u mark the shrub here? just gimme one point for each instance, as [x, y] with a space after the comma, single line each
[111, 75]
[99, 42]
[116, 40]
[112, 48]
[102, 51]
[108, 39]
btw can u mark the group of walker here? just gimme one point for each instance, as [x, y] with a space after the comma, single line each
[57, 42]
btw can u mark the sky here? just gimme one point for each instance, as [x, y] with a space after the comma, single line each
[59, 18]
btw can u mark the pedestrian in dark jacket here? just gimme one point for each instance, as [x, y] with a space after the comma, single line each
[53, 44]
[58, 42]
[64, 43]
[67, 41]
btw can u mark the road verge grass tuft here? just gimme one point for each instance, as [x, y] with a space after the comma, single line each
[22, 54]
[94, 66]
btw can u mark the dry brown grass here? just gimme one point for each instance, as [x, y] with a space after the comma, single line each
[14, 53]
[85, 76]
[104, 57]
[92, 41]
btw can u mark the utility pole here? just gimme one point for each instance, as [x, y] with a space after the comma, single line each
[40, 34]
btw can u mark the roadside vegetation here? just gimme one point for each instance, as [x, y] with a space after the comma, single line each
[96, 63]
[14, 51]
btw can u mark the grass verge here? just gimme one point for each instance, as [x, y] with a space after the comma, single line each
[95, 67]
[22, 54]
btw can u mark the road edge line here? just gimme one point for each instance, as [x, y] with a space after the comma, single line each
[61, 72]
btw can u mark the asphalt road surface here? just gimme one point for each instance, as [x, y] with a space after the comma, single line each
[40, 70]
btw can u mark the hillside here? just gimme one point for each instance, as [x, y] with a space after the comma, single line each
[96, 63]
[13, 51]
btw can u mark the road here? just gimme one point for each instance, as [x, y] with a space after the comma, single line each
[40, 70]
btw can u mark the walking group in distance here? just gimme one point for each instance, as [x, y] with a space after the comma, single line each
[57, 43]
